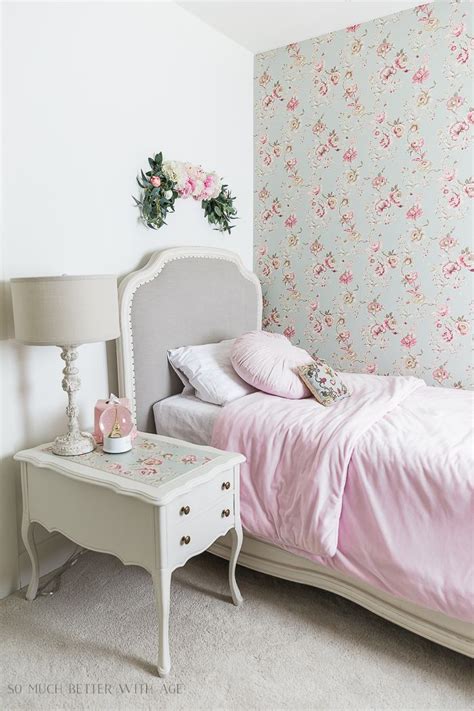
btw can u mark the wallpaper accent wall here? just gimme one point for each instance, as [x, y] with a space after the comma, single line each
[364, 194]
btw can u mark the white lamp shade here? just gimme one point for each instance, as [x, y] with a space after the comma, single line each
[65, 310]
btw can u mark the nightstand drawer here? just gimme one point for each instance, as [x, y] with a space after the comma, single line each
[190, 537]
[186, 507]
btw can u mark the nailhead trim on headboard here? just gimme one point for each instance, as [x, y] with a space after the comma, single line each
[133, 281]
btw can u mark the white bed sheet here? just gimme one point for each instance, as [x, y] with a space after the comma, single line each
[185, 416]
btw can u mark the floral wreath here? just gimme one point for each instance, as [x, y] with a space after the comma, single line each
[171, 179]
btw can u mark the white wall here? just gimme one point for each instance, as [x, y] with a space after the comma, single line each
[89, 91]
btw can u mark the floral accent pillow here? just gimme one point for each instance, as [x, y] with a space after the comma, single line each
[324, 383]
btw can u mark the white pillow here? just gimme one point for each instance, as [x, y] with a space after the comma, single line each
[209, 371]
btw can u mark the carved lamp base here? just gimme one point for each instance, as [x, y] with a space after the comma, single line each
[73, 443]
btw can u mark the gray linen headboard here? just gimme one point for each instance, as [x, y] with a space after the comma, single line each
[183, 296]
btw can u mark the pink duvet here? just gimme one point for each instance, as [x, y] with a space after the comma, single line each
[377, 486]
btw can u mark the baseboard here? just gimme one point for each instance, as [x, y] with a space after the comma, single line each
[52, 552]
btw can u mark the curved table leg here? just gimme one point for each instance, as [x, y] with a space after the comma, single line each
[237, 538]
[29, 542]
[162, 585]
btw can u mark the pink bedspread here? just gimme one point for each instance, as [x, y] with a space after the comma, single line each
[377, 486]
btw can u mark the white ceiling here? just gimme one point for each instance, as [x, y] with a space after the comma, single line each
[267, 24]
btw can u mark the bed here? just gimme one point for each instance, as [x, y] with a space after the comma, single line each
[192, 296]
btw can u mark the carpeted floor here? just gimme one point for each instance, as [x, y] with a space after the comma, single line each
[288, 647]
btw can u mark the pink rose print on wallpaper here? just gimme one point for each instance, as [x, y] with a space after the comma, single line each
[364, 194]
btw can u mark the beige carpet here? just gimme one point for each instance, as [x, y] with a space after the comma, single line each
[288, 647]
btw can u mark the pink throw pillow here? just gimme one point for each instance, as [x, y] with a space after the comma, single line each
[269, 362]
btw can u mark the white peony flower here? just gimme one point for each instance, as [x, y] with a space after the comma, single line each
[168, 194]
[175, 171]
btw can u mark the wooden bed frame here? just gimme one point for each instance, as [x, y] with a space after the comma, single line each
[193, 296]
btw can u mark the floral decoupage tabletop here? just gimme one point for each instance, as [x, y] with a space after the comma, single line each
[150, 461]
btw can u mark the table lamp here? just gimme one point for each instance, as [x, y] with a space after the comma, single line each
[67, 311]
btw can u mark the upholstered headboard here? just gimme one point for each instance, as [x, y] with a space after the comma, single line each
[183, 296]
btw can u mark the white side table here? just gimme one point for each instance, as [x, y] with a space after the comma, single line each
[156, 506]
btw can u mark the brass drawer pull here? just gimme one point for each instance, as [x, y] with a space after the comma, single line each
[184, 510]
[226, 513]
[185, 540]
[226, 485]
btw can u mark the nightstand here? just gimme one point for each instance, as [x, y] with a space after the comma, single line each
[156, 506]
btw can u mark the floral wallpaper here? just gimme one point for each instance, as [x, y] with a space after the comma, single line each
[364, 194]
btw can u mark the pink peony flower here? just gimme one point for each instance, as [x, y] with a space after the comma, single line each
[414, 212]
[346, 277]
[454, 102]
[377, 330]
[291, 221]
[458, 30]
[443, 310]
[323, 88]
[380, 118]
[458, 128]
[420, 75]
[447, 335]
[466, 259]
[375, 246]
[292, 104]
[379, 180]
[380, 269]
[289, 332]
[454, 200]
[350, 155]
[374, 307]
[446, 243]
[330, 262]
[189, 459]
[470, 116]
[469, 188]
[155, 180]
[322, 150]
[411, 277]
[462, 326]
[463, 56]
[382, 205]
[408, 341]
[401, 61]
[440, 374]
[386, 73]
[394, 196]
[371, 368]
[317, 326]
[385, 141]
[318, 269]
[450, 268]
